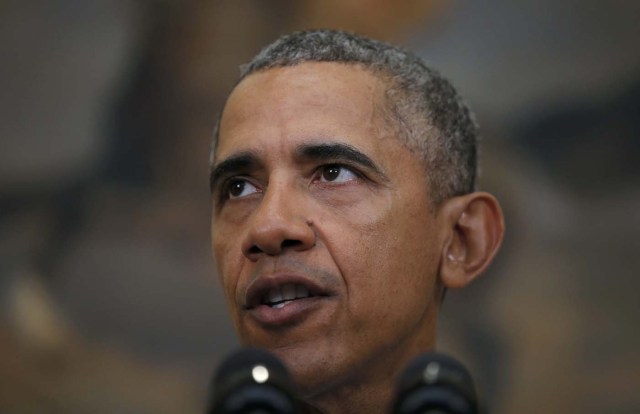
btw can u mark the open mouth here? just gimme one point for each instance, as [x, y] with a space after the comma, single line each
[276, 293]
[278, 297]
[281, 300]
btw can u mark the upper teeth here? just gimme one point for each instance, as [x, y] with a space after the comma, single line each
[285, 292]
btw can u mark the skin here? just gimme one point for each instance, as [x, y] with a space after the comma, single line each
[363, 229]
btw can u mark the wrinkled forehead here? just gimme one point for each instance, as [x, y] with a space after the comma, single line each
[334, 92]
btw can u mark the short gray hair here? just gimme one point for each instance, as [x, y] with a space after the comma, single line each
[424, 107]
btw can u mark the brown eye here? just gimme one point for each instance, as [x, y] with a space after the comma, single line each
[235, 189]
[331, 172]
[337, 173]
[240, 188]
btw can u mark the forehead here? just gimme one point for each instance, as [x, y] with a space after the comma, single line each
[314, 101]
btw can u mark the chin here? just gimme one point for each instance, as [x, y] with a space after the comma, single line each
[312, 370]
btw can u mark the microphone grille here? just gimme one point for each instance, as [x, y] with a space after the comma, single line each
[252, 380]
[437, 381]
[246, 360]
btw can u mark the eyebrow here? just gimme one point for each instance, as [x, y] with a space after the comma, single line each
[336, 152]
[233, 165]
[327, 152]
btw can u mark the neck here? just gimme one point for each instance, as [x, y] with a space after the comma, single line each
[370, 391]
[370, 397]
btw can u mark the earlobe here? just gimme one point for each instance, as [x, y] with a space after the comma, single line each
[475, 228]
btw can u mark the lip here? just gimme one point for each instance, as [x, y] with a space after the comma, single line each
[292, 313]
[294, 310]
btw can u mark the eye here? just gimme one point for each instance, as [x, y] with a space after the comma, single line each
[240, 188]
[337, 174]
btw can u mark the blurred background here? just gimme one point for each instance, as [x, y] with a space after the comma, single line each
[109, 300]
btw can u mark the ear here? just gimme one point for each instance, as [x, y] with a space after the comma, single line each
[474, 228]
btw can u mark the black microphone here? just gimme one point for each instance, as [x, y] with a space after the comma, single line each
[435, 384]
[252, 381]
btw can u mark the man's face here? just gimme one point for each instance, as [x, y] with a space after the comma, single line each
[323, 234]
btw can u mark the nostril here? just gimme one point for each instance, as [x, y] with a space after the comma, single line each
[290, 243]
[254, 249]
[273, 249]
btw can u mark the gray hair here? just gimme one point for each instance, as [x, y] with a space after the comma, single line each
[424, 108]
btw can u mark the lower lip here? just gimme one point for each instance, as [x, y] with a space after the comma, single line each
[293, 312]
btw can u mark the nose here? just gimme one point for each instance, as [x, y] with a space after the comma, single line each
[279, 224]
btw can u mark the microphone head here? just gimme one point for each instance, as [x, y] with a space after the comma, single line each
[435, 383]
[252, 380]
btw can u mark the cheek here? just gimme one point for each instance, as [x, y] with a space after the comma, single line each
[228, 260]
[387, 254]
[228, 267]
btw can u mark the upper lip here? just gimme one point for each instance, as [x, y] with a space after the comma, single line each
[260, 287]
